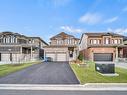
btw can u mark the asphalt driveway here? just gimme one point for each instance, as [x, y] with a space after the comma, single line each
[45, 73]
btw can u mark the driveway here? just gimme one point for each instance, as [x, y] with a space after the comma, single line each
[45, 73]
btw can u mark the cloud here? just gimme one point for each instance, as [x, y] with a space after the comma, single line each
[91, 18]
[58, 3]
[122, 31]
[71, 29]
[125, 9]
[110, 20]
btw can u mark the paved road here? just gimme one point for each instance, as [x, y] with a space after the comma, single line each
[17, 92]
[45, 73]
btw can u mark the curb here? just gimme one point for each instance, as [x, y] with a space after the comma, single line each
[86, 87]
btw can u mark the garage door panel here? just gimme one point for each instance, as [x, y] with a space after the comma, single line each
[61, 57]
[103, 57]
[51, 55]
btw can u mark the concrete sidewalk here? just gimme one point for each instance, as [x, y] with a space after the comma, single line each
[85, 87]
[121, 65]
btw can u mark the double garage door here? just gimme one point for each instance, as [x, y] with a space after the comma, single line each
[57, 56]
[103, 57]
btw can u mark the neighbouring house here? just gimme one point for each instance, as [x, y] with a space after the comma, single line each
[16, 48]
[63, 47]
[101, 46]
[125, 47]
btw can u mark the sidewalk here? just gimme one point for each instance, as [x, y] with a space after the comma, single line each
[86, 87]
[121, 65]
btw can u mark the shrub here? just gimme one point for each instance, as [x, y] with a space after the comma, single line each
[80, 57]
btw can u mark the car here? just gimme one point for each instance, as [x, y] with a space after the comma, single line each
[48, 59]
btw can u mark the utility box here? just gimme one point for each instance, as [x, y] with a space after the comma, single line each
[105, 67]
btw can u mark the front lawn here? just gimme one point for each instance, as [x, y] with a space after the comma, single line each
[89, 75]
[10, 68]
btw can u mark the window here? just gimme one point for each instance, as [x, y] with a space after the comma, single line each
[112, 41]
[33, 41]
[99, 41]
[115, 41]
[107, 41]
[94, 41]
[67, 41]
[91, 41]
[57, 42]
[75, 42]
[119, 41]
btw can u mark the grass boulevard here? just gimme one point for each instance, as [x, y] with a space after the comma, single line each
[87, 74]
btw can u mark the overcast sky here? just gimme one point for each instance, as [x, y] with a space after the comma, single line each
[46, 18]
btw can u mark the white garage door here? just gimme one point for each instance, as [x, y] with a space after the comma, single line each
[51, 55]
[61, 57]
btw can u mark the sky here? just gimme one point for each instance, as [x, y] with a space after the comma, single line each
[46, 18]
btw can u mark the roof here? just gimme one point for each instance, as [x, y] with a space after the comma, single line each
[63, 35]
[101, 34]
[11, 33]
[59, 46]
[39, 39]
[17, 34]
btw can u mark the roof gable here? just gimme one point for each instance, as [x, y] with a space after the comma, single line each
[61, 35]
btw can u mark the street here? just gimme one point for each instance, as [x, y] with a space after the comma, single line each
[50, 92]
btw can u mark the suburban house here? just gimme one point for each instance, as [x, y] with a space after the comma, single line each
[63, 47]
[15, 48]
[125, 48]
[101, 46]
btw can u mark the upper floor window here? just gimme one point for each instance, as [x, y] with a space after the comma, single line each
[106, 40]
[8, 39]
[119, 41]
[115, 41]
[95, 41]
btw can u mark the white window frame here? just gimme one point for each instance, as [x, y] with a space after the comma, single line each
[94, 41]
[107, 40]
[115, 41]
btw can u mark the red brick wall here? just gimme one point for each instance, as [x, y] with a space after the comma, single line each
[85, 53]
[125, 52]
[88, 53]
[102, 50]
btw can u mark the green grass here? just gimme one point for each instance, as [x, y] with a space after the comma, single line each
[10, 68]
[89, 75]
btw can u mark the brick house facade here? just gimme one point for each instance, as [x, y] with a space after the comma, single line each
[63, 47]
[101, 46]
